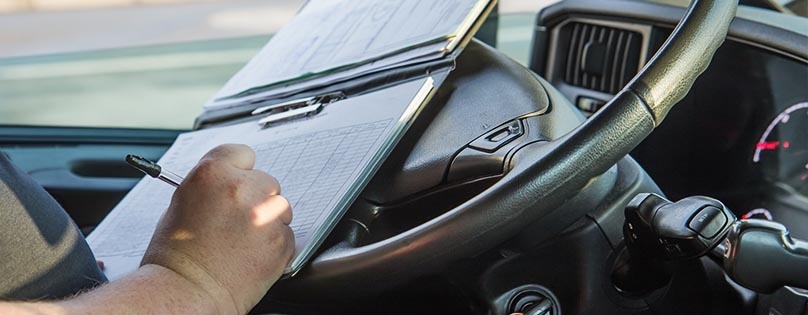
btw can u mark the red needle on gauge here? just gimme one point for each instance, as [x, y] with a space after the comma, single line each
[768, 145]
[772, 145]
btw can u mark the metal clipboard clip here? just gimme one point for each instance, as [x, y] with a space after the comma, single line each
[294, 109]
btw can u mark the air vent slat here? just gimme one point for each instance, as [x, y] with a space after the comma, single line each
[589, 39]
[577, 73]
[601, 58]
[626, 52]
[605, 83]
[616, 62]
[571, 52]
[585, 39]
[594, 85]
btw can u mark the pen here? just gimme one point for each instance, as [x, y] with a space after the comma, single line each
[154, 170]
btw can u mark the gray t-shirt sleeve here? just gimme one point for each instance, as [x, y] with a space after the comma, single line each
[43, 255]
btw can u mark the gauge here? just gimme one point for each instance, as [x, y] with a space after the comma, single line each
[783, 148]
[759, 213]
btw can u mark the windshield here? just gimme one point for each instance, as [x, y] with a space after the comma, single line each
[92, 62]
[115, 63]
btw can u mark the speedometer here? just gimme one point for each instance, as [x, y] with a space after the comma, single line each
[783, 147]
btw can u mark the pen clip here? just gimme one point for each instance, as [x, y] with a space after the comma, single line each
[294, 109]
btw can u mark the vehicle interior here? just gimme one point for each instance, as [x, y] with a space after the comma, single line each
[515, 189]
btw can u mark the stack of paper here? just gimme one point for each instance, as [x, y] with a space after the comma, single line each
[332, 40]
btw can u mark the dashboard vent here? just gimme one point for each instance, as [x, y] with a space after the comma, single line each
[599, 57]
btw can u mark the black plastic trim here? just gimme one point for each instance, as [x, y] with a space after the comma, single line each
[747, 26]
[32, 135]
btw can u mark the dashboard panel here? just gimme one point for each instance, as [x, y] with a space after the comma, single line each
[741, 134]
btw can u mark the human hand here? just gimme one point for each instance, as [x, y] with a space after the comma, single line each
[226, 230]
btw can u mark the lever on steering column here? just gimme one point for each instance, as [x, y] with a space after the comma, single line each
[758, 254]
[658, 231]
[671, 231]
[761, 256]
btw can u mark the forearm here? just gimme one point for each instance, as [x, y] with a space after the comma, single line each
[150, 290]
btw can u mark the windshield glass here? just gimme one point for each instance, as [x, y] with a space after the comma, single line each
[153, 64]
[125, 63]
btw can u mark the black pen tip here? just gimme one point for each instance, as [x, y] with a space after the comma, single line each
[143, 164]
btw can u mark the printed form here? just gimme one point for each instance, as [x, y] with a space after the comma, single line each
[322, 163]
[338, 35]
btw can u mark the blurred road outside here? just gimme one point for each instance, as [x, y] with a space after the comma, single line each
[80, 62]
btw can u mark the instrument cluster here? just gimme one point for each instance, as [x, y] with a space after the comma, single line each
[741, 136]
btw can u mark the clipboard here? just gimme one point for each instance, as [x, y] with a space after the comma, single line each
[292, 128]
[271, 111]
[241, 108]
[323, 162]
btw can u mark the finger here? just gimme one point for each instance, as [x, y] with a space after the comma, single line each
[289, 241]
[238, 155]
[265, 182]
[281, 245]
[273, 208]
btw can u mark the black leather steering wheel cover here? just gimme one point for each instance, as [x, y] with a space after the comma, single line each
[684, 56]
[543, 176]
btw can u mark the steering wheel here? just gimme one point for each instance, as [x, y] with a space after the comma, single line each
[542, 176]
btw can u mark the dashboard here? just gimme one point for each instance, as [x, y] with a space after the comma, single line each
[741, 134]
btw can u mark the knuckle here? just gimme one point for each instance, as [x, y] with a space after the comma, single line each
[288, 241]
[268, 182]
[283, 202]
[274, 184]
[205, 170]
[238, 146]
[284, 208]
[227, 147]
[238, 190]
[280, 234]
[271, 208]
[271, 179]
[217, 151]
[228, 150]
[235, 149]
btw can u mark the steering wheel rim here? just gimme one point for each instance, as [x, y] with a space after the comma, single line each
[542, 176]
